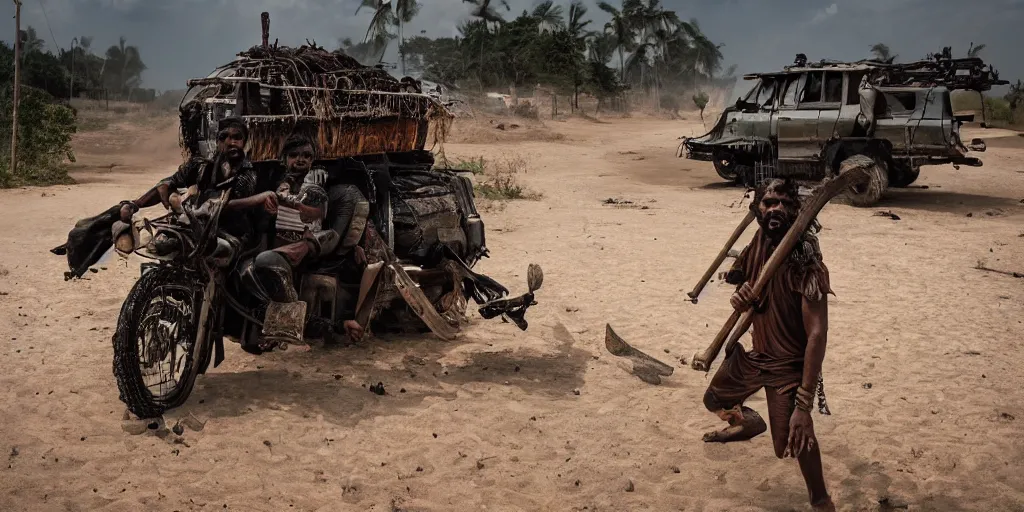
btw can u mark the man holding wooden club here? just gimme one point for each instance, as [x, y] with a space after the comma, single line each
[790, 322]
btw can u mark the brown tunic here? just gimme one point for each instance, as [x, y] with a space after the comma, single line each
[776, 358]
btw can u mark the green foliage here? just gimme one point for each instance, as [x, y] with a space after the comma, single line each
[501, 182]
[474, 165]
[700, 100]
[556, 46]
[38, 69]
[44, 138]
[1008, 109]
[998, 109]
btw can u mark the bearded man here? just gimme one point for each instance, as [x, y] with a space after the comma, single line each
[790, 323]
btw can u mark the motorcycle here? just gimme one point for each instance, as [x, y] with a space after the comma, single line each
[192, 294]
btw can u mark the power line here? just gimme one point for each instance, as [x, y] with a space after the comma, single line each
[56, 47]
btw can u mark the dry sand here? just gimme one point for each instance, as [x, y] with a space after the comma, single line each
[922, 371]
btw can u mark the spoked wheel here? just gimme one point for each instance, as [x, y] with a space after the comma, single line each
[156, 353]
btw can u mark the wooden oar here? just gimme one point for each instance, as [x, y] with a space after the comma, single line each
[853, 176]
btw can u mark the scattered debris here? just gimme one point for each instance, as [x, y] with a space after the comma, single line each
[177, 429]
[886, 504]
[981, 266]
[1006, 416]
[867, 385]
[377, 389]
[647, 368]
[629, 486]
[972, 353]
[969, 214]
[611, 200]
[576, 392]
[192, 423]
[887, 213]
[675, 469]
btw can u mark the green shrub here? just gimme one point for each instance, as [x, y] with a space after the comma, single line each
[44, 139]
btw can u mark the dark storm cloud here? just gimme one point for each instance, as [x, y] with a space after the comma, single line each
[180, 39]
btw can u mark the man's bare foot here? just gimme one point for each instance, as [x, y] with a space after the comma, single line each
[828, 506]
[741, 427]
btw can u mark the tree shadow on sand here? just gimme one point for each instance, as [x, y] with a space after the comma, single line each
[336, 383]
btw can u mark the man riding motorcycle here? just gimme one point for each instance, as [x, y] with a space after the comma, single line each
[246, 208]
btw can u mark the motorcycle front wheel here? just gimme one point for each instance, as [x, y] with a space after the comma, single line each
[156, 350]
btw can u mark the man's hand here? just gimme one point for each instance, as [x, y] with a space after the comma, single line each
[309, 213]
[353, 330]
[270, 202]
[317, 177]
[359, 255]
[126, 213]
[743, 298]
[801, 434]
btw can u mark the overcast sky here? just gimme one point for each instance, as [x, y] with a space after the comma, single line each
[181, 39]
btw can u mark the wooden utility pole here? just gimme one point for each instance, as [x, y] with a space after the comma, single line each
[17, 87]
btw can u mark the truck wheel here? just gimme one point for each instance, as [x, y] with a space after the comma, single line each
[903, 177]
[869, 193]
[725, 166]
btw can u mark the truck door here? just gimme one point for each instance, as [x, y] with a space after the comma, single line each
[829, 107]
[796, 124]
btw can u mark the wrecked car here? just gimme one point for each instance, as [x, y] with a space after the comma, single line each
[806, 119]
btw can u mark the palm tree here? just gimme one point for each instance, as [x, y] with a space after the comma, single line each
[656, 28]
[485, 12]
[31, 42]
[127, 63]
[882, 53]
[577, 30]
[708, 58]
[619, 27]
[378, 30]
[548, 15]
[973, 51]
[405, 11]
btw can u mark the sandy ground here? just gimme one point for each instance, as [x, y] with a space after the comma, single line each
[922, 371]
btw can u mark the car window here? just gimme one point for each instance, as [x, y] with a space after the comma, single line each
[853, 87]
[752, 93]
[812, 90]
[789, 94]
[766, 93]
[833, 87]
